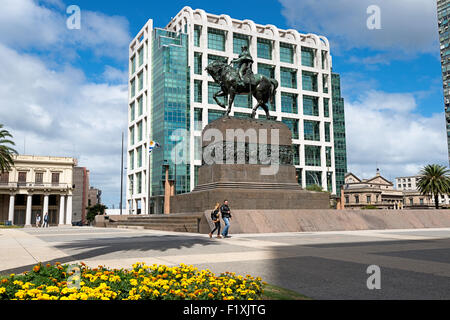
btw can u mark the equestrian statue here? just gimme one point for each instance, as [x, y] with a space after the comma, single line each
[242, 81]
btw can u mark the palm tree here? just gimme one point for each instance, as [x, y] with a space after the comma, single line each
[434, 181]
[6, 152]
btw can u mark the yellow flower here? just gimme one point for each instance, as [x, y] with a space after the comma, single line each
[2, 290]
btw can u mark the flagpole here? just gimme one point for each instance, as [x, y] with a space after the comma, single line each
[121, 178]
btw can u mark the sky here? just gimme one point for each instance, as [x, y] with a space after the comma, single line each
[63, 92]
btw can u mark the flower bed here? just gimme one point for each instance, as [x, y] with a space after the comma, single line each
[142, 282]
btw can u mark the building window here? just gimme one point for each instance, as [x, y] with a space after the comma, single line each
[39, 178]
[212, 89]
[133, 89]
[197, 33]
[239, 40]
[132, 112]
[4, 177]
[243, 101]
[198, 63]
[139, 131]
[296, 153]
[264, 49]
[327, 132]
[421, 201]
[326, 107]
[310, 106]
[141, 56]
[198, 114]
[309, 81]
[197, 148]
[133, 64]
[311, 130]
[411, 201]
[139, 182]
[55, 177]
[22, 177]
[139, 157]
[289, 102]
[131, 157]
[215, 114]
[369, 199]
[347, 198]
[266, 70]
[307, 57]
[288, 78]
[328, 156]
[312, 156]
[197, 91]
[213, 57]
[356, 199]
[140, 80]
[299, 175]
[286, 52]
[313, 178]
[140, 106]
[293, 126]
[325, 83]
[132, 135]
[324, 59]
[216, 39]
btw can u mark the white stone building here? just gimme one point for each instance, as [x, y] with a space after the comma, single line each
[412, 195]
[36, 185]
[301, 63]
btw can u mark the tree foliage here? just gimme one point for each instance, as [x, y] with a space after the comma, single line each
[434, 182]
[6, 150]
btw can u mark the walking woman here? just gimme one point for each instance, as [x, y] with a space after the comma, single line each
[215, 218]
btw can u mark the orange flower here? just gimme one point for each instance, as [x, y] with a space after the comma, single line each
[36, 268]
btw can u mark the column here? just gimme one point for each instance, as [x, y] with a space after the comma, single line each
[61, 210]
[69, 210]
[28, 211]
[11, 208]
[143, 206]
[45, 210]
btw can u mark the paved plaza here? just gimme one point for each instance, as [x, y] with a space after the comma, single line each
[415, 264]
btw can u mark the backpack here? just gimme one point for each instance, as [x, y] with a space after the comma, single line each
[213, 215]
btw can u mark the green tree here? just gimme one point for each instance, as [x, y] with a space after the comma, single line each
[314, 187]
[95, 210]
[6, 151]
[434, 181]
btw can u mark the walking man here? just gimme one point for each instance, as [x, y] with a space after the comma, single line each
[226, 216]
[45, 223]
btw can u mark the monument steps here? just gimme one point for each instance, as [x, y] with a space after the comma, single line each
[180, 223]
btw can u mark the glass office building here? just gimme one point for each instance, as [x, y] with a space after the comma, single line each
[443, 8]
[340, 146]
[170, 93]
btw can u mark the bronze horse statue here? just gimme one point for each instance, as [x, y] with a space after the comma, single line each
[231, 84]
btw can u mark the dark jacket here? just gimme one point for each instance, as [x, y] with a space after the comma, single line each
[225, 211]
[214, 215]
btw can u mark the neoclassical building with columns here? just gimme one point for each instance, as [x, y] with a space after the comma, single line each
[36, 185]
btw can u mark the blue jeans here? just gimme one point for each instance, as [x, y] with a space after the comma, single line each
[227, 226]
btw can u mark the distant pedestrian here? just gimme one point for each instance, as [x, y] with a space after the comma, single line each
[38, 220]
[45, 223]
[226, 216]
[216, 219]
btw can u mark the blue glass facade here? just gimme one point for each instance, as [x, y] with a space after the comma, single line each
[170, 110]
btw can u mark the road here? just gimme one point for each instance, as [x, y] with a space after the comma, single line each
[414, 264]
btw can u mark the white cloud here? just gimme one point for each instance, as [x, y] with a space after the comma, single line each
[60, 113]
[409, 26]
[27, 24]
[383, 130]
